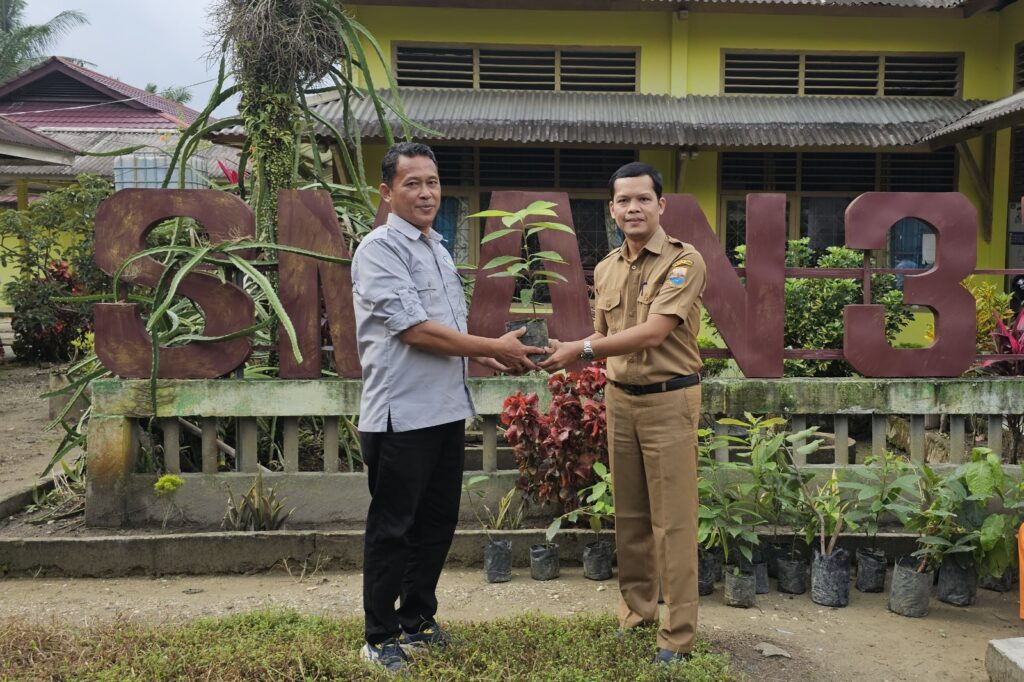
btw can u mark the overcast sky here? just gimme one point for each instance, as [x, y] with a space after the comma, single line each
[141, 41]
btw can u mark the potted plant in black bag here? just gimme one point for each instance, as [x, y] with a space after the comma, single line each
[599, 508]
[887, 485]
[830, 565]
[791, 562]
[725, 520]
[940, 536]
[497, 551]
[997, 553]
[527, 268]
[985, 481]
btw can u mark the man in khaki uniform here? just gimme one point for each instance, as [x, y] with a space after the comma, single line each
[647, 315]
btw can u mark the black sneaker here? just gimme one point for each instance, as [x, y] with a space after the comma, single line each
[667, 656]
[429, 635]
[387, 655]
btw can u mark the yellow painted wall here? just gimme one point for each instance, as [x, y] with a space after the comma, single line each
[684, 56]
[6, 275]
[646, 30]
[710, 33]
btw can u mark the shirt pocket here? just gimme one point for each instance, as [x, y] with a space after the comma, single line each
[428, 289]
[609, 305]
[643, 305]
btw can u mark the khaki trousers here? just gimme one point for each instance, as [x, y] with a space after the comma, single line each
[652, 442]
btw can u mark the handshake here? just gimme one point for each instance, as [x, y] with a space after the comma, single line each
[512, 357]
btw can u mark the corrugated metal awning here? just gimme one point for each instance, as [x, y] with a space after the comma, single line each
[1002, 113]
[635, 120]
[99, 141]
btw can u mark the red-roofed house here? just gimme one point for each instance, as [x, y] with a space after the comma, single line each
[79, 110]
[58, 93]
[88, 111]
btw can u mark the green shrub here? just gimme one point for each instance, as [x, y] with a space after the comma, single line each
[814, 307]
[50, 245]
[712, 366]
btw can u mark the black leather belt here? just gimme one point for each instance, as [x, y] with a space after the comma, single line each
[661, 387]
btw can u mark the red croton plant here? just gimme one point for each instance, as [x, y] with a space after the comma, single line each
[1009, 340]
[556, 451]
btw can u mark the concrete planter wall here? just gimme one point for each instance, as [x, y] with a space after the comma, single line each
[117, 497]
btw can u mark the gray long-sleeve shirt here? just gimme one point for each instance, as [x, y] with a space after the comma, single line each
[400, 278]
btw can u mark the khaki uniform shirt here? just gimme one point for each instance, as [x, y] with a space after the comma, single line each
[666, 278]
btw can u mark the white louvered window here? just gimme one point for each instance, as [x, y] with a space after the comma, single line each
[517, 68]
[434, 67]
[842, 74]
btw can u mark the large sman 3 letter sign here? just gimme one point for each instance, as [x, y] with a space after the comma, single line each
[749, 315]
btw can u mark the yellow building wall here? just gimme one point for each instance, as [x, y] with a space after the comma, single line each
[684, 56]
[648, 31]
[1011, 32]
[6, 275]
[710, 33]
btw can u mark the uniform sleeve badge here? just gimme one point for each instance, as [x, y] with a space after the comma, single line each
[677, 276]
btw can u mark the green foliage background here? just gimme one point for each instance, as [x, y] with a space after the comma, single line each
[814, 307]
[50, 245]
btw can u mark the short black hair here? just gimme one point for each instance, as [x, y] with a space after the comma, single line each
[635, 169]
[390, 161]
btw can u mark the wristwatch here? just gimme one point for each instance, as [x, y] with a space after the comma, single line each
[588, 351]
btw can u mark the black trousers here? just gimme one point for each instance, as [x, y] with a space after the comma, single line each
[415, 487]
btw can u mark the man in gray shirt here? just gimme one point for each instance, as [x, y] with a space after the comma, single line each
[413, 345]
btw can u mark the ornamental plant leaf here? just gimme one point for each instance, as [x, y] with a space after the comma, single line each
[552, 256]
[499, 261]
[557, 227]
[497, 234]
[992, 530]
[537, 207]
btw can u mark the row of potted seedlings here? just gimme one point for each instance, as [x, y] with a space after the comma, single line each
[958, 536]
[545, 564]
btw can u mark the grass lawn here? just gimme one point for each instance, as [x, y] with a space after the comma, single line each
[281, 645]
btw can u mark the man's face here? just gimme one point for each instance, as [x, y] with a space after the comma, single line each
[636, 208]
[415, 191]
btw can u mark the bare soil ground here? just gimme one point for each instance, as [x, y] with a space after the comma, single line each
[862, 642]
[25, 448]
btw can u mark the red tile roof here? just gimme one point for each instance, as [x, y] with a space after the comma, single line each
[149, 99]
[117, 104]
[32, 115]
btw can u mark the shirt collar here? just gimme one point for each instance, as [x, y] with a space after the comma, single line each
[654, 244]
[409, 230]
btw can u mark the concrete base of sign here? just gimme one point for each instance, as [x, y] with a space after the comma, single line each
[1004, 660]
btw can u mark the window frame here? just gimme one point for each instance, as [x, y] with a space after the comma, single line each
[1017, 84]
[803, 54]
[473, 191]
[635, 50]
[795, 198]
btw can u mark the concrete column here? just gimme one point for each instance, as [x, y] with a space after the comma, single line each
[111, 459]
